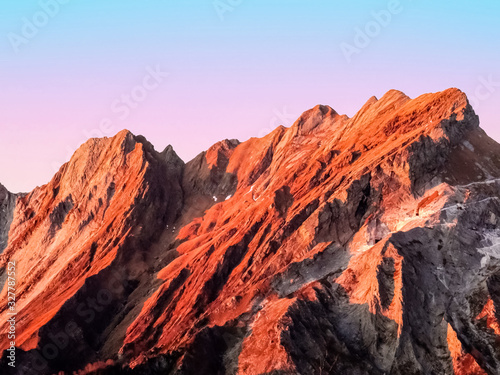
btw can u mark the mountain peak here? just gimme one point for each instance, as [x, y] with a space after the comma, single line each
[310, 119]
[170, 156]
[394, 96]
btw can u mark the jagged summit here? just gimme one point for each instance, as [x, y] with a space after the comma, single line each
[395, 96]
[361, 245]
[312, 118]
[375, 112]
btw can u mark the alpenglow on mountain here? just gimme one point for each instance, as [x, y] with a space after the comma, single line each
[363, 245]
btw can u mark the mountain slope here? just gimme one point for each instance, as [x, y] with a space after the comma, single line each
[7, 204]
[338, 245]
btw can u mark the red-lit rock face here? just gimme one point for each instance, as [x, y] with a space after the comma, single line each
[364, 245]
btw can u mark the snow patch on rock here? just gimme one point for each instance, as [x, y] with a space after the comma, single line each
[468, 145]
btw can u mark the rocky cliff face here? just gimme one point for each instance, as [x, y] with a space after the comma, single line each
[364, 245]
[7, 204]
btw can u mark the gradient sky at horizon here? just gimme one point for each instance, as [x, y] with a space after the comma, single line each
[240, 75]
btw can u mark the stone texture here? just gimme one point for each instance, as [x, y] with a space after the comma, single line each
[7, 204]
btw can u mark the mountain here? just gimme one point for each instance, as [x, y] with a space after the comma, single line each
[364, 245]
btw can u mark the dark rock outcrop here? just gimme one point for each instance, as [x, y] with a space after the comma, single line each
[7, 205]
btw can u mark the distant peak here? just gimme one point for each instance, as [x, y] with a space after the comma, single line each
[310, 119]
[455, 95]
[369, 103]
[124, 134]
[168, 149]
[395, 96]
[453, 91]
[170, 156]
[446, 104]
[325, 110]
[226, 144]
[220, 152]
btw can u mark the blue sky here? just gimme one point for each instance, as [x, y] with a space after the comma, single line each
[235, 74]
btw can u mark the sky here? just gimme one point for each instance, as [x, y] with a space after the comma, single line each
[192, 72]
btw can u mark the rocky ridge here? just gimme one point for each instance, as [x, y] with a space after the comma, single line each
[364, 245]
